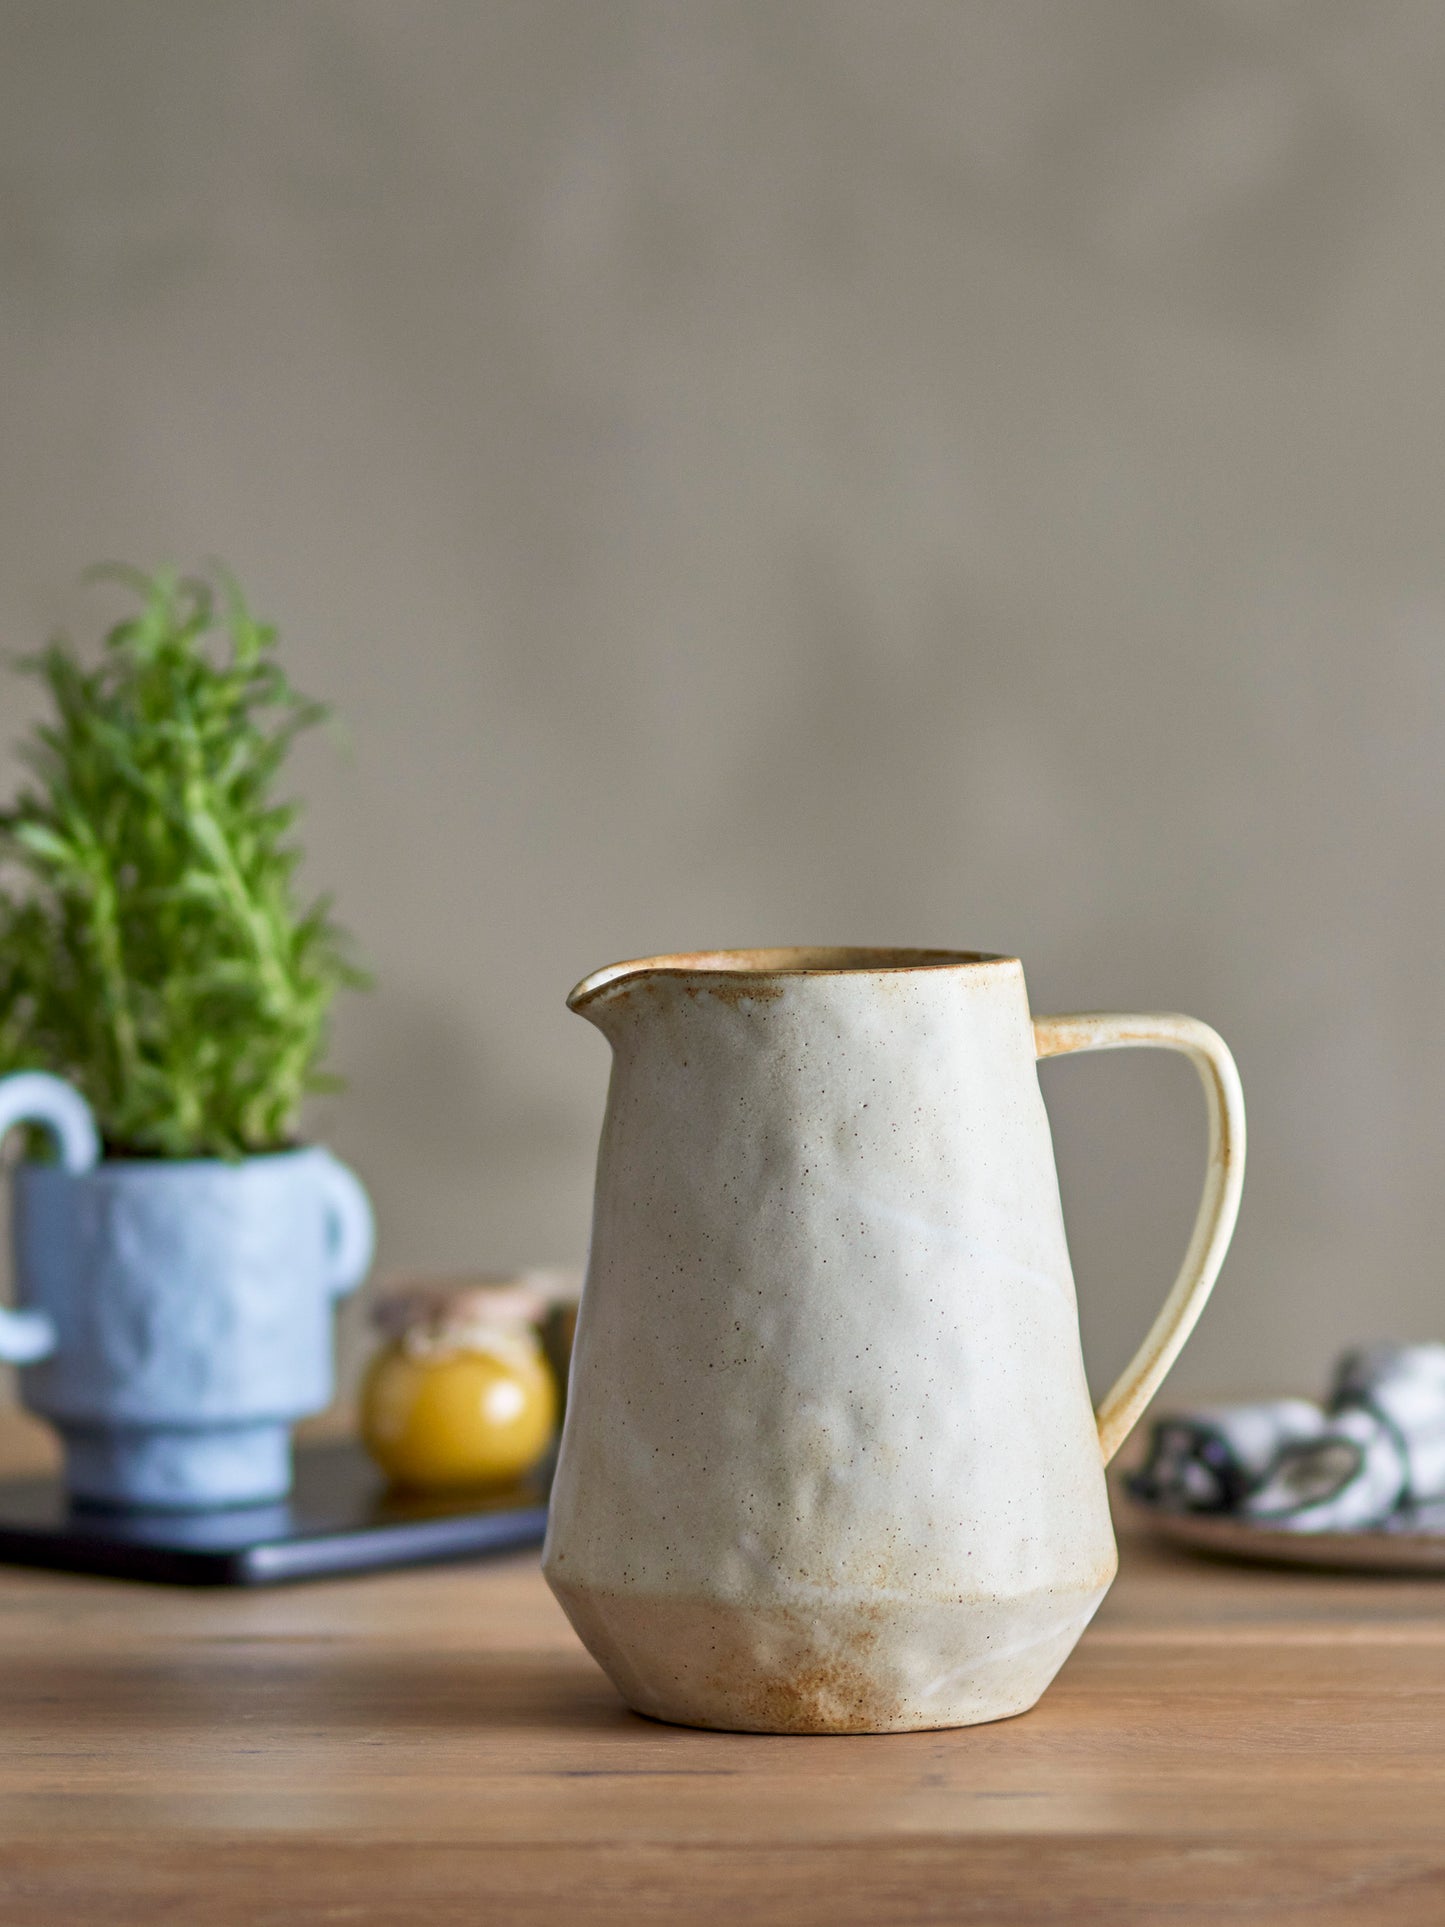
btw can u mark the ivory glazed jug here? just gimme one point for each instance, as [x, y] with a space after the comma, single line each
[830, 1463]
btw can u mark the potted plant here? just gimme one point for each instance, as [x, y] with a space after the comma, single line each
[164, 1000]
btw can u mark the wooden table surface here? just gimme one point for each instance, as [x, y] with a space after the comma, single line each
[434, 1747]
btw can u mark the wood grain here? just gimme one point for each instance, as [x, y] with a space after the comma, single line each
[434, 1747]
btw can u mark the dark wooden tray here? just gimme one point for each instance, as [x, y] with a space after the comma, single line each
[339, 1519]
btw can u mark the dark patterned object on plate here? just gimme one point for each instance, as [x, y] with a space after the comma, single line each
[1373, 1454]
[1207, 1460]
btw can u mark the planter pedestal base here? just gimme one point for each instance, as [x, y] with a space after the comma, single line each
[177, 1470]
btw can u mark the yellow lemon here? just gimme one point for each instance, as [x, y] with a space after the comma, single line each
[440, 1419]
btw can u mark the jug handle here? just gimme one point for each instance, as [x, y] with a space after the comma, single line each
[1124, 1405]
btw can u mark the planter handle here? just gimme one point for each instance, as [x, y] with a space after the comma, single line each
[35, 1097]
[351, 1226]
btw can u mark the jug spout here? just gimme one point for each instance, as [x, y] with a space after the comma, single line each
[608, 996]
[614, 984]
[600, 996]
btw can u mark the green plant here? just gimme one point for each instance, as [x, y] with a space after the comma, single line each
[152, 948]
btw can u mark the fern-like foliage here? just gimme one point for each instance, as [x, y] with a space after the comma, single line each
[152, 948]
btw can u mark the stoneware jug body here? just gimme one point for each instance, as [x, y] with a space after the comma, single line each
[175, 1316]
[830, 1461]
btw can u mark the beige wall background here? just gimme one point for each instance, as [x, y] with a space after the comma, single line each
[801, 471]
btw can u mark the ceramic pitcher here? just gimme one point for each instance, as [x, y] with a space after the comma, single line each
[830, 1463]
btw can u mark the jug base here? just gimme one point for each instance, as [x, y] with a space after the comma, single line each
[904, 1725]
[835, 1664]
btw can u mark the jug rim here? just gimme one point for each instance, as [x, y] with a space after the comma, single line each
[788, 960]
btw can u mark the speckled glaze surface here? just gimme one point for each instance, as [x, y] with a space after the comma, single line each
[830, 1463]
[175, 1318]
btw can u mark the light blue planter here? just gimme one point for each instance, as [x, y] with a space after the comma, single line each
[174, 1319]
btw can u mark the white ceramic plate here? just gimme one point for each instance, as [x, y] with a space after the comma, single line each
[1396, 1550]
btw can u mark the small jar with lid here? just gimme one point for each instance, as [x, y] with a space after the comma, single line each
[460, 1395]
